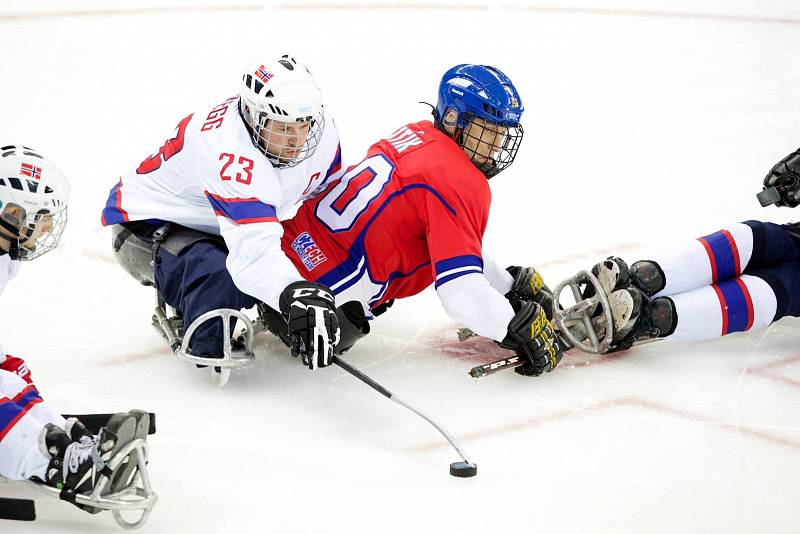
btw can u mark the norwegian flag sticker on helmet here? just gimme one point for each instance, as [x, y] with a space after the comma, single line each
[30, 170]
[263, 74]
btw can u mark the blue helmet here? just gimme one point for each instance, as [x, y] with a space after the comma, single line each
[469, 92]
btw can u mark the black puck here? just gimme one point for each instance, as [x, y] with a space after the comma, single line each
[463, 469]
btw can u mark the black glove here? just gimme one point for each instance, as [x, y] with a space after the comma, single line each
[529, 285]
[782, 183]
[531, 335]
[310, 313]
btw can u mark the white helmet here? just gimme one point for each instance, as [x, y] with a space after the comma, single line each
[33, 202]
[282, 107]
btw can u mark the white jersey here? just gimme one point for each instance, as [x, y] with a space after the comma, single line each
[8, 270]
[22, 413]
[211, 177]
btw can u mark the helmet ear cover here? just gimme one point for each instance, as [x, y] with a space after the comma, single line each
[12, 218]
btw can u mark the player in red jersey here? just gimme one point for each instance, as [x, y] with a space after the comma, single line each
[414, 212]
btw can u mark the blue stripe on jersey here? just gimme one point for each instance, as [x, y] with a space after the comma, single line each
[736, 306]
[346, 282]
[723, 255]
[112, 213]
[452, 268]
[242, 210]
[443, 280]
[357, 252]
[346, 268]
[394, 276]
[457, 262]
[336, 164]
[12, 410]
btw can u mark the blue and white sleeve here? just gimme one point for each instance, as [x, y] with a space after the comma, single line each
[469, 299]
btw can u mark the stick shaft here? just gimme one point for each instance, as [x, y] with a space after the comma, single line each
[389, 395]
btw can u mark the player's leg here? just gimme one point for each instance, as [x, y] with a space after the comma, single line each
[753, 300]
[731, 306]
[195, 281]
[21, 456]
[716, 257]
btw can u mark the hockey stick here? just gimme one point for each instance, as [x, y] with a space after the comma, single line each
[17, 509]
[461, 469]
[492, 367]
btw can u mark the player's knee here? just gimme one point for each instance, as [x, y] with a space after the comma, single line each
[133, 253]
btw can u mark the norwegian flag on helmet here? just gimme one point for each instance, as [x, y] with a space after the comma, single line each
[30, 170]
[263, 74]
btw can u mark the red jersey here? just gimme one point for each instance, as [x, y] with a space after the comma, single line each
[412, 212]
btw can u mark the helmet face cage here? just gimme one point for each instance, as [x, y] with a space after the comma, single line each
[492, 147]
[277, 140]
[38, 233]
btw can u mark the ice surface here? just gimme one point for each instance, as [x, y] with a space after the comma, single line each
[639, 129]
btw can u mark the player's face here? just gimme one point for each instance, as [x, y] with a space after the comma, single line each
[285, 140]
[43, 227]
[483, 140]
[15, 216]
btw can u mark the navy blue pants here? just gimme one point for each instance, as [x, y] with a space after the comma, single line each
[196, 281]
[776, 260]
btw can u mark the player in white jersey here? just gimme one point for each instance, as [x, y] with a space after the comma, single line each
[742, 277]
[200, 218]
[35, 441]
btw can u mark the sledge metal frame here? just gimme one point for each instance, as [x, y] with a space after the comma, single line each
[581, 312]
[179, 342]
[137, 497]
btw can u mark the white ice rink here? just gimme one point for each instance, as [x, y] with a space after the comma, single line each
[645, 122]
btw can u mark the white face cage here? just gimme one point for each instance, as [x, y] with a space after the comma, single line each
[39, 232]
[285, 143]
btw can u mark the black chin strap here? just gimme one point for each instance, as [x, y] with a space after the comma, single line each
[13, 250]
[13, 230]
